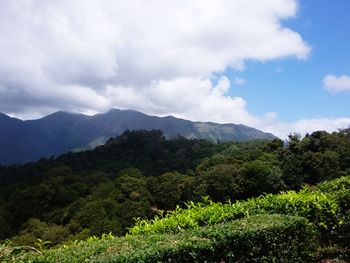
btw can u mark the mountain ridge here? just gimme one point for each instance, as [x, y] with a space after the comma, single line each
[23, 141]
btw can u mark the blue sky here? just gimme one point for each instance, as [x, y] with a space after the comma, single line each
[282, 66]
[293, 88]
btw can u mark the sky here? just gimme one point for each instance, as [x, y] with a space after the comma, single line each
[282, 66]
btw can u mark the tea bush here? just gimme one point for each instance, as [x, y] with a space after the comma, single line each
[339, 189]
[262, 238]
[327, 209]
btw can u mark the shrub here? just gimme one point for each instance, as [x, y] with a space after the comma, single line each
[335, 185]
[320, 208]
[262, 238]
[339, 189]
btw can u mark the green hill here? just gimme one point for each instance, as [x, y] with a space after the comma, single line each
[144, 184]
[60, 132]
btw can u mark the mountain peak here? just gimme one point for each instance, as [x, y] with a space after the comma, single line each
[61, 113]
[64, 131]
[114, 110]
[4, 116]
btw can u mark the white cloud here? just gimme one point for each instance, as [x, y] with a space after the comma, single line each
[303, 126]
[240, 81]
[189, 98]
[50, 48]
[161, 57]
[271, 116]
[336, 84]
[201, 100]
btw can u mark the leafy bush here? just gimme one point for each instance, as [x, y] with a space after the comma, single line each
[320, 208]
[339, 189]
[11, 253]
[35, 229]
[335, 185]
[326, 206]
[262, 238]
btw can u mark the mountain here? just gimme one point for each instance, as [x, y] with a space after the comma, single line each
[60, 132]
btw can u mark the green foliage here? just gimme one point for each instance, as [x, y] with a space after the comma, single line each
[99, 217]
[141, 174]
[331, 186]
[170, 189]
[339, 189]
[132, 188]
[322, 209]
[34, 230]
[274, 145]
[221, 182]
[42, 244]
[93, 192]
[264, 238]
[246, 151]
[263, 177]
[11, 253]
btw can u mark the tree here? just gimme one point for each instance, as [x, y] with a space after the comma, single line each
[274, 145]
[99, 217]
[132, 188]
[221, 182]
[35, 229]
[263, 177]
[170, 190]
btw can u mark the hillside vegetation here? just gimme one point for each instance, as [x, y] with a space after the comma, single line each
[152, 188]
[213, 232]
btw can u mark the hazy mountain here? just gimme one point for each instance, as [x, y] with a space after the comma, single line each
[24, 141]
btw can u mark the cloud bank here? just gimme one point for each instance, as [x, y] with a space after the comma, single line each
[304, 126]
[160, 57]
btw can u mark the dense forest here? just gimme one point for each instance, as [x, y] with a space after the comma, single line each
[140, 174]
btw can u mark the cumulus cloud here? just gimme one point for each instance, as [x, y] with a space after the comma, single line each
[161, 57]
[201, 100]
[61, 54]
[336, 84]
[185, 97]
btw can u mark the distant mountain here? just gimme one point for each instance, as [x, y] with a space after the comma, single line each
[57, 133]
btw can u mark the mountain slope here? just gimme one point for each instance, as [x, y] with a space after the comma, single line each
[25, 141]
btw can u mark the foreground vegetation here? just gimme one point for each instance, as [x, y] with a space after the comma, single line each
[326, 206]
[264, 238]
[215, 232]
[55, 203]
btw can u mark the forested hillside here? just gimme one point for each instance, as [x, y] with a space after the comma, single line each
[141, 174]
[60, 132]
